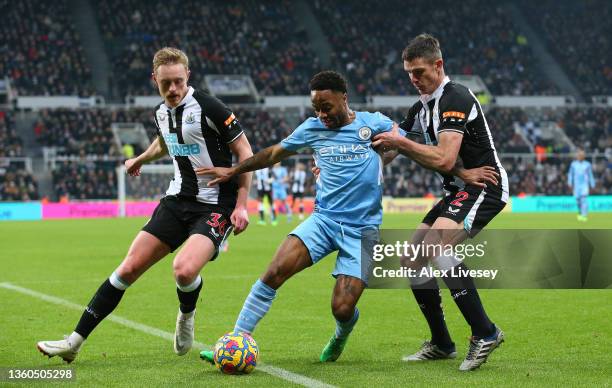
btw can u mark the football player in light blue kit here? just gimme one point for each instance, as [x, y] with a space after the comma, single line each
[347, 206]
[580, 179]
[279, 188]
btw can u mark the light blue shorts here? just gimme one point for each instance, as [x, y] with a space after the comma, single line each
[354, 244]
[280, 194]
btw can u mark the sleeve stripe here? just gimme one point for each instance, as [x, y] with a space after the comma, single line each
[449, 129]
[237, 136]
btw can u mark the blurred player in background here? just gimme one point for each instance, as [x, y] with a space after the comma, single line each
[263, 180]
[453, 124]
[580, 179]
[297, 188]
[279, 188]
[192, 212]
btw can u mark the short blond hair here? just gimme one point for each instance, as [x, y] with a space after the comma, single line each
[170, 56]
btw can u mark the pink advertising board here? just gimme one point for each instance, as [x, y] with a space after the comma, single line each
[95, 209]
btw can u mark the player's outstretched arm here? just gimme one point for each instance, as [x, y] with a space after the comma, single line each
[264, 158]
[156, 150]
[240, 218]
[441, 157]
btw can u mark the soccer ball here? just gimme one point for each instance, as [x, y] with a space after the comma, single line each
[236, 353]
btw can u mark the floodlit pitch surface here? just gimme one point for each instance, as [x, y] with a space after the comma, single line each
[48, 269]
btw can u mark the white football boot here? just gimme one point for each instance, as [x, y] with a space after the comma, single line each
[62, 348]
[184, 333]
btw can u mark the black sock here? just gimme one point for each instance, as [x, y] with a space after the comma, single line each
[463, 291]
[428, 298]
[189, 299]
[301, 209]
[261, 215]
[103, 303]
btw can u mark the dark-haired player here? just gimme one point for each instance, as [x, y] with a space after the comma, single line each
[342, 143]
[454, 126]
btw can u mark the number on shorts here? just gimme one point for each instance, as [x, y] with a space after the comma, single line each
[214, 222]
[461, 196]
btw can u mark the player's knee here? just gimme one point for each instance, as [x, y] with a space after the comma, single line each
[343, 309]
[184, 273]
[130, 270]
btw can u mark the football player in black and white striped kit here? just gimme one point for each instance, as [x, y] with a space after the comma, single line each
[451, 119]
[263, 179]
[196, 130]
[297, 187]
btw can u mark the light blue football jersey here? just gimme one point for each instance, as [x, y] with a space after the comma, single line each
[349, 188]
[580, 177]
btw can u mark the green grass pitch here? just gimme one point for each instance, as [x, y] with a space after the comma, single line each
[553, 337]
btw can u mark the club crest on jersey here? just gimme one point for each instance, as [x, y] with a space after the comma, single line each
[365, 133]
[161, 116]
[190, 119]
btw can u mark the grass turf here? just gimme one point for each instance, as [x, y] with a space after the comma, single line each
[554, 337]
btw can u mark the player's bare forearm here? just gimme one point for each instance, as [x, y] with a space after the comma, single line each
[156, 150]
[431, 157]
[242, 149]
[440, 157]
[458, 169]
[264, 158]
[389, 156]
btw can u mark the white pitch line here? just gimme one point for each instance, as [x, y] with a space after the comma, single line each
[269, 369]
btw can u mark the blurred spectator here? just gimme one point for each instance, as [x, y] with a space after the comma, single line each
[581, 42]
[16, 184]
[85, 180]
[476, 37]
[220, 37]
[10, 143]
[40, 50]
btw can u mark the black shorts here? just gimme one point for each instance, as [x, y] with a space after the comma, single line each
[473, 206]
[265, 193]
[298, 194]
[175, 219]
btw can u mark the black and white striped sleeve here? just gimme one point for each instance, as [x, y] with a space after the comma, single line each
[455, 108]
[220, 117]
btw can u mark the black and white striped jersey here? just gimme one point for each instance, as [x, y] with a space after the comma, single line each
[299, 179]
[263, 179]
[197, 134]
[453, 107]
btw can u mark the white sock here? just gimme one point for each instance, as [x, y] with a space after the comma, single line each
[190, 287]
[75, 340]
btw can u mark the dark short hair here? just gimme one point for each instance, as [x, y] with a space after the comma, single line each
[328, 80]
[423, 46]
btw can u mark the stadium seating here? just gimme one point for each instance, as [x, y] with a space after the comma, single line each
[590, 128]
[476, 38]
[236, 37]
[10, 143]
[16, 183]
[40, 51]
[86, 131]
[85, 180]
[582, 42]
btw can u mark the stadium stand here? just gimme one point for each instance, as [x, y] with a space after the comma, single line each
[16, 182]
[368, 38]
[40, 50]
[11, 144]
[581, 42]
[236, 37]
[85, 180]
